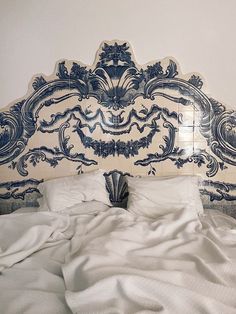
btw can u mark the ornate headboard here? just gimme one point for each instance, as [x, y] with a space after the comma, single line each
[122, 117]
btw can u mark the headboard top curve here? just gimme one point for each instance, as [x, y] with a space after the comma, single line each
[119, 116]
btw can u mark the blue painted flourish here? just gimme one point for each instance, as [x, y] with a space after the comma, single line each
[117, 187]
[18, 189]
[221, 190]
[117, 83]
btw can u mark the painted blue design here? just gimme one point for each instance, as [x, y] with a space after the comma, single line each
[221, 191]
[104, 149]
[202, 158]
[13, 136]
[15, 195]
[222, 140]
[115, 53]
[77, 73]
[18, 189]
[38, 83]
[176, 155]
[114, 123]
[117, 187]
[17, 184]
[116, 82]
[112, 93]
[167, 149]
[196, 81]
[52, 157]
[215, 121]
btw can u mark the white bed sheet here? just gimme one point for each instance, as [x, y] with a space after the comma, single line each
[114, 262]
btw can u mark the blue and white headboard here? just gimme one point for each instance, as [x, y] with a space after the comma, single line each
[122, 117]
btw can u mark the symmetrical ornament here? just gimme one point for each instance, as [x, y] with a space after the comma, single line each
[116, 115]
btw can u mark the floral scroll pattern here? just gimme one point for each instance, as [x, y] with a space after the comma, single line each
[116, 84]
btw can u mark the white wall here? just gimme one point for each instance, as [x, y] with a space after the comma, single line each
[34, 34]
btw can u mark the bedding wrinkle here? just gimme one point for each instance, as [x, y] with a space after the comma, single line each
[34, 283]
[131, 264]
[27, 233]
[113, 261]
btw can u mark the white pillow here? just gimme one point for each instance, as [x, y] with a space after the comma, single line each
[88, 208]
[61, 193]
[156, 196]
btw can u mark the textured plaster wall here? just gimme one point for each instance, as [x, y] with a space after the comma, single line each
[199, 34]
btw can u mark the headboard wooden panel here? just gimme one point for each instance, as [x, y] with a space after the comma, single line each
[122, 117]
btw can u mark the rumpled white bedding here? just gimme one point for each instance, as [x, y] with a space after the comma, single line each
[35, 243]
[116, 262]
[23, 234]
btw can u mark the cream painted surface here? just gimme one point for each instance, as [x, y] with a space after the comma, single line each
[58, 144]
[184, 137]
[199, 34]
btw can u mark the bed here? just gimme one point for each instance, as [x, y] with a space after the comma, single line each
[93, 258]
[117, 192]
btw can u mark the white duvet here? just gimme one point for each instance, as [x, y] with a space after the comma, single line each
[115, 262]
